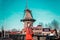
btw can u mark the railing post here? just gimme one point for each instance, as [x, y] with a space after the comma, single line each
[23, 37]
[38, 37]
[20, 37]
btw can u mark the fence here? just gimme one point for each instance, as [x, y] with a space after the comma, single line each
[22, 37]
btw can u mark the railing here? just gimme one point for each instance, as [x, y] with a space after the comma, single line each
[22, 37]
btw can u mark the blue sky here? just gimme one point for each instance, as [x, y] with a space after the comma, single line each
[12, 11]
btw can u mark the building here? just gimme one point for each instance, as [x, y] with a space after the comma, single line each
[28, 22]
[28, 19]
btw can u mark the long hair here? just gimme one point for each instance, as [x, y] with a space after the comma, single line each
[56, 32]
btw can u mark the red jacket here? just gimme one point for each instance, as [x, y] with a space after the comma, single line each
[29, 33]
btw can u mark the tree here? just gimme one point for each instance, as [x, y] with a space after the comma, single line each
[50, 26]
[14, 30]
[55, 24]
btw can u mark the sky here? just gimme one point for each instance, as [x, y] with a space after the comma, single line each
[12, 11]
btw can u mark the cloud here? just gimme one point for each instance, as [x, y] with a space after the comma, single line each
[40, 15]
[44, 16]
[13, 22]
